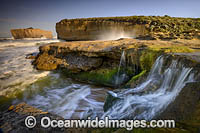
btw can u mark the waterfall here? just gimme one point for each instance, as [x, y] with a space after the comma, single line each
[120, 77]
[154, 95]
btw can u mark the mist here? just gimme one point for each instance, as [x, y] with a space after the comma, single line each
[115, 35]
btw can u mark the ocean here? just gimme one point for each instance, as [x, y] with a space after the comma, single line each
[49, 91]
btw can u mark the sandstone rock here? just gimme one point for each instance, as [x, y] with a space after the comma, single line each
[88, 61]
[12, 120]
[116, 27]
[78, 63]
[48, 62]
[98, 61]
[30, 33]
[81, 56]
[98, 30]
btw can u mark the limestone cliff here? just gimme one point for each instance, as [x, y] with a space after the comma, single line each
[30, 33]
[143, 27]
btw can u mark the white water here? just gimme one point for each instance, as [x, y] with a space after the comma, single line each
[78, 101]
[152, 96]
[62, 96]
[121, 64]
[14, 68]
[42, 89]
[115, 35]
[74, 100]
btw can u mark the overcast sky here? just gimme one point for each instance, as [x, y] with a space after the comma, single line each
[45, 13]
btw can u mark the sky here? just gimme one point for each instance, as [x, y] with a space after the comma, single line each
[45, 14]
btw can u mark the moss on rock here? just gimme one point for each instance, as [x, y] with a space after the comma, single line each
[102, 76]
[148, 58]
[134, 78]
[172, 49]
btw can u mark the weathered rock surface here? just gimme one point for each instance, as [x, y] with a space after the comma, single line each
[93, 61]
[186, 105]
[99, 60]
[30, 33]
[12, 120]
[85, 55]
[143, 27]
[78, 56]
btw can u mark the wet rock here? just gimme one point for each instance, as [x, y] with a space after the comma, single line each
[78, 56]
[12, 120]
[72, 62]
[103, 76]
[185, 106]
[48, 62]
[111, 99]
[136, 80]
[98, 61]
[78, 63]
[32, 55]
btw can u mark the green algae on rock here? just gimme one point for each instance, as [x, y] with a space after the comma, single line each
[132, 81]
[97, 61]
[102, 76]
[148, 58]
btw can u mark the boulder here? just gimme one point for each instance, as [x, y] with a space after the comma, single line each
[111, 99]
[30, 33]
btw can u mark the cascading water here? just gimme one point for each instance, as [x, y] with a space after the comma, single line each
[154, 95]
[62, 96]
[77, 101]
[120, 77]
[57, 94]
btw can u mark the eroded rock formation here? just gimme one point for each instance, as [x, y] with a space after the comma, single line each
[88, 61]
[30, 33]
[93, 61]
[143, 27]
[78, 56]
